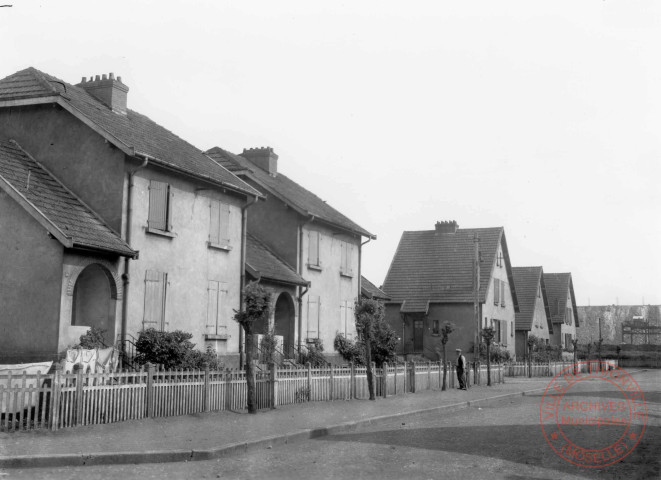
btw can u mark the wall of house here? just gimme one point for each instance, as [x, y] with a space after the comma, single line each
[332, 288]
[275, 225]
[188, 260]
[521, 340]
[540, 324]
[80, 158]
[568, 327]
[30, 279]
[503, 312]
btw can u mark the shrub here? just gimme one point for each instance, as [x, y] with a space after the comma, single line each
[349, 350]
[173, 350]
[384, 345]
[93, 338]
[268, 347]
[314, 354]
[498, 354]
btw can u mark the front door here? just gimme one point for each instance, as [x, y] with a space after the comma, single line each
[417, 335]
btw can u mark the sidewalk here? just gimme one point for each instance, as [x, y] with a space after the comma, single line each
[216, 434]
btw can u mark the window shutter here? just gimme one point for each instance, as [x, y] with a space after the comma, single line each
[350, 318]
[502, 293]
[158, 199]
[496, 291]
[350, 259]
[343, 258]
[313, 248]
[343, 317]
[212, 306]
[155, 287]
[214, 222]
[313, 316]
[169, 206]
[504, 335]
[224, 224]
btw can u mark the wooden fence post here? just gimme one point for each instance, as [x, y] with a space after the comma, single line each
[428, 375]
[274, 384]
[149, 396]
[394, 380]
[352, 382]
[331, 380]
[440, 375]
[54, 414]
[207, 389]
[412, 380]
[228, 389]
[405, 375]
[384, 369]
[309, 366]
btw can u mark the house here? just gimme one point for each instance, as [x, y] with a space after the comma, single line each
[320, 243]
[534, 316]
[369, 290]
[146, 230]
[562, 306]
[431, 281]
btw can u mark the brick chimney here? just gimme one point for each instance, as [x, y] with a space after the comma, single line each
[264, 157]
[447, 227]
[108, 90]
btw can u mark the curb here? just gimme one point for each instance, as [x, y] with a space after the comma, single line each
[165, 456]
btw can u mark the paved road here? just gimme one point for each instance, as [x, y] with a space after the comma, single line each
[502, 440]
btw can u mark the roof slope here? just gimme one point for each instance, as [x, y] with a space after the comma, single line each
[133, 131]
[558, 285]
[62, 213]
[528, 281]
[262, 262]
[287, 190]
[438, 267]
[369, 290]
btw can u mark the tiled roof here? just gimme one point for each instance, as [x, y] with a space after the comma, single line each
[65, 216]
[263, 262]
[527, 282]
[369, 290]
[289, 191]
[558, 285]
[438, 267]
[132, 131]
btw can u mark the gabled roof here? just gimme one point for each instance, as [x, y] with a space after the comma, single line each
[558, 285]
[133, 133]
[63, 214]
[528, 281]
[369, 290]
[263, 263]
[290, 192]
[429, 266]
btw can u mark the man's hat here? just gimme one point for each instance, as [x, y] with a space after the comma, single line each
[458, 350]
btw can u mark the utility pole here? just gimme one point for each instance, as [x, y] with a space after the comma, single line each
[476, 296]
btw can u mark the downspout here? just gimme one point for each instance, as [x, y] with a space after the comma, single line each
[300, 272]
[242, 283]
[125, 276]
[360, 268]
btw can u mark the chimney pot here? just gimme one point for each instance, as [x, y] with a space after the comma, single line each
[112, 76]
[83, 80]
[104, 77]
[97, 78]
[119, 79]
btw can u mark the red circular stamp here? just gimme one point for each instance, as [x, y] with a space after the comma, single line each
[593, 414]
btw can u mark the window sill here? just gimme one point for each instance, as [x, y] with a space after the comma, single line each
[346, 275]
[218, 246]
[314, 267]
[162, 233]
[210, 336]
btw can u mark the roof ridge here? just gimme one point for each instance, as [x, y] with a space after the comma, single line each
[64, 187]
[41, 77]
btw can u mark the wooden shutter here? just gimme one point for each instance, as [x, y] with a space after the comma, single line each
[343, 258]
[496, 291]
[350, 259]
[213, 296]
[155, 290]
[313, 248]
[502, 293]
[504, 333]
[169, 206]
[224, 224]
[158, 205]
[214, 222]
[343, 317]
[350, 319]
[313, 317]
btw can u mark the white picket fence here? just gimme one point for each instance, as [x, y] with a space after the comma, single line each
[63, 400]
[549, 369]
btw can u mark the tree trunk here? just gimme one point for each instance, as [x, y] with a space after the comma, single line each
[368, 361]
[488, 364]
[250, 372]
[445, 370]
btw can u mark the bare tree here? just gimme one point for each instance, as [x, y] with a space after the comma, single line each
[488, 334]
[446, 330]
[257, 309]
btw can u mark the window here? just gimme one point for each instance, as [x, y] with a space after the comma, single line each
[314, 305]
[347, 318]
[313, 249]
[155, 300]
[219, 230]
[496, 291]
[499, 260]
[502, 293]
[160, 207]
[568, 339]
[569, 316]
[500, 332]
[346, 264]
[436, 327]
[216, 324]
[539, 291]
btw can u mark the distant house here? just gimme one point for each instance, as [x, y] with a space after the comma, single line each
[534, 316]
[145, 230]
[320, 243]
[369, 290]
[562, 305]
[431, 281]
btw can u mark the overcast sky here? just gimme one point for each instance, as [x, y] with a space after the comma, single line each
[540, 116]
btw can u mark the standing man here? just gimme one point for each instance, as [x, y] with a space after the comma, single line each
[461, 367]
